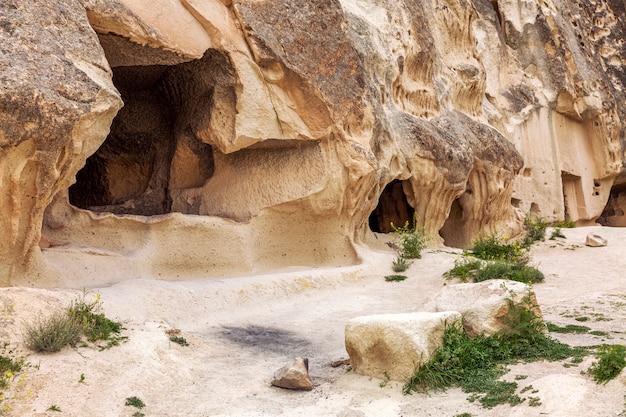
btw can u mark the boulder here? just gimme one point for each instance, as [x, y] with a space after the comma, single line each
[294, 376]
[484, 305]
[393, 345]
[595, 240]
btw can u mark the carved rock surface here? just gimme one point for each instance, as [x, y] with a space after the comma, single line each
[483, 305]
[57, 102]
[294, 129]
[392, 345]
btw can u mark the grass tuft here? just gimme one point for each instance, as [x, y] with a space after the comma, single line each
[395, 278]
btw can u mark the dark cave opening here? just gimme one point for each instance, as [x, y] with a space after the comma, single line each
[129, 173]
[393, 207]
[157, 142]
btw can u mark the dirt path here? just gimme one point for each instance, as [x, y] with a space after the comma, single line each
[241, 330]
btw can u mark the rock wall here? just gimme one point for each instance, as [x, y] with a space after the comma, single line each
[265, 134]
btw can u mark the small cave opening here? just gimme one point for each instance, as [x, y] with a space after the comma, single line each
[393, 207]
[453, 231]
[157, 145]
[129, 173]
[615, 209]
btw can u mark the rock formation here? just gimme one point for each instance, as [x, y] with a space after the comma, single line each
[262, 134]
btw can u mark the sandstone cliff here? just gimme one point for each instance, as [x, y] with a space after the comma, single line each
[263, 134]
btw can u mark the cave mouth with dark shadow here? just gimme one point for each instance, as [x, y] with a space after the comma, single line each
[129, 173]
[152, 148]
[393, 207]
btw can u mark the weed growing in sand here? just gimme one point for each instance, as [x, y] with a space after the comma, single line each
[476, 365]
[411, 240]
[52, 333]
[67, 327]
[134, 402]
[494, 258]
[54, 407]
[535, 229]
[395, 278]
[556, 233]
[564, 224]
[174, 336]
[570, 328]
[400, 264]
[611, 359]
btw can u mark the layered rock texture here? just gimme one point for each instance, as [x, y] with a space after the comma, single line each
[262, 134]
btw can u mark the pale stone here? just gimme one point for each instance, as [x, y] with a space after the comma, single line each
[595, 240]
[391, 346]
[294, 376]
[485, 305]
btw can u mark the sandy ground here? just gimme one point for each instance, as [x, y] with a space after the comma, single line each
[240, 330]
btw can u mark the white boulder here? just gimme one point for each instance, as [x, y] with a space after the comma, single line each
[392, 345]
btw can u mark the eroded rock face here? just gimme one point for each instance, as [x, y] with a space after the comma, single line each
[56, 105]
[295, 121]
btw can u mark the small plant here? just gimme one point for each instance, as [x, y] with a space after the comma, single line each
[93, 322]
[611, 359]
[400, 264]
[52, 333]
[54, 407]
[492, 248]
[556, 233]
[82, 378]
[395, 278]
[510, 271]
[463, 415]
[535, 229]
[565, 224]
[67, 327]
[134, 402]
[179, 340]
[570, 328]
[411, 240]
[465, 268]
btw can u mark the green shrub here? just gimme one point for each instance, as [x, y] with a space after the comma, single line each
[507, 270]
[68, 327]
[565, 224]
[395, 278]
[411, 240]
[464, 268]
[468, 268]
[475, 365]
[52, 333]
[535, 230]
[556, 233]
[492, 248]
[611, 359]
[400, 264]
[134, 402]
[95, 326]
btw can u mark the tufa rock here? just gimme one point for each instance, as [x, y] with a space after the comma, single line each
[595, 240]
[294, 376]
[484, 305]
[392, 345]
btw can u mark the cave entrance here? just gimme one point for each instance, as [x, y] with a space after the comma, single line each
[614, 213]
[393, 207]
[573, 198]
[129, 173]
[153, 148]
[454, 232]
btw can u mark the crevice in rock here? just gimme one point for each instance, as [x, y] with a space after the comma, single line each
[393, 207]
[615, 209]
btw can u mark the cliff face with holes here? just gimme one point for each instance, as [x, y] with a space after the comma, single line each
[257, 135]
